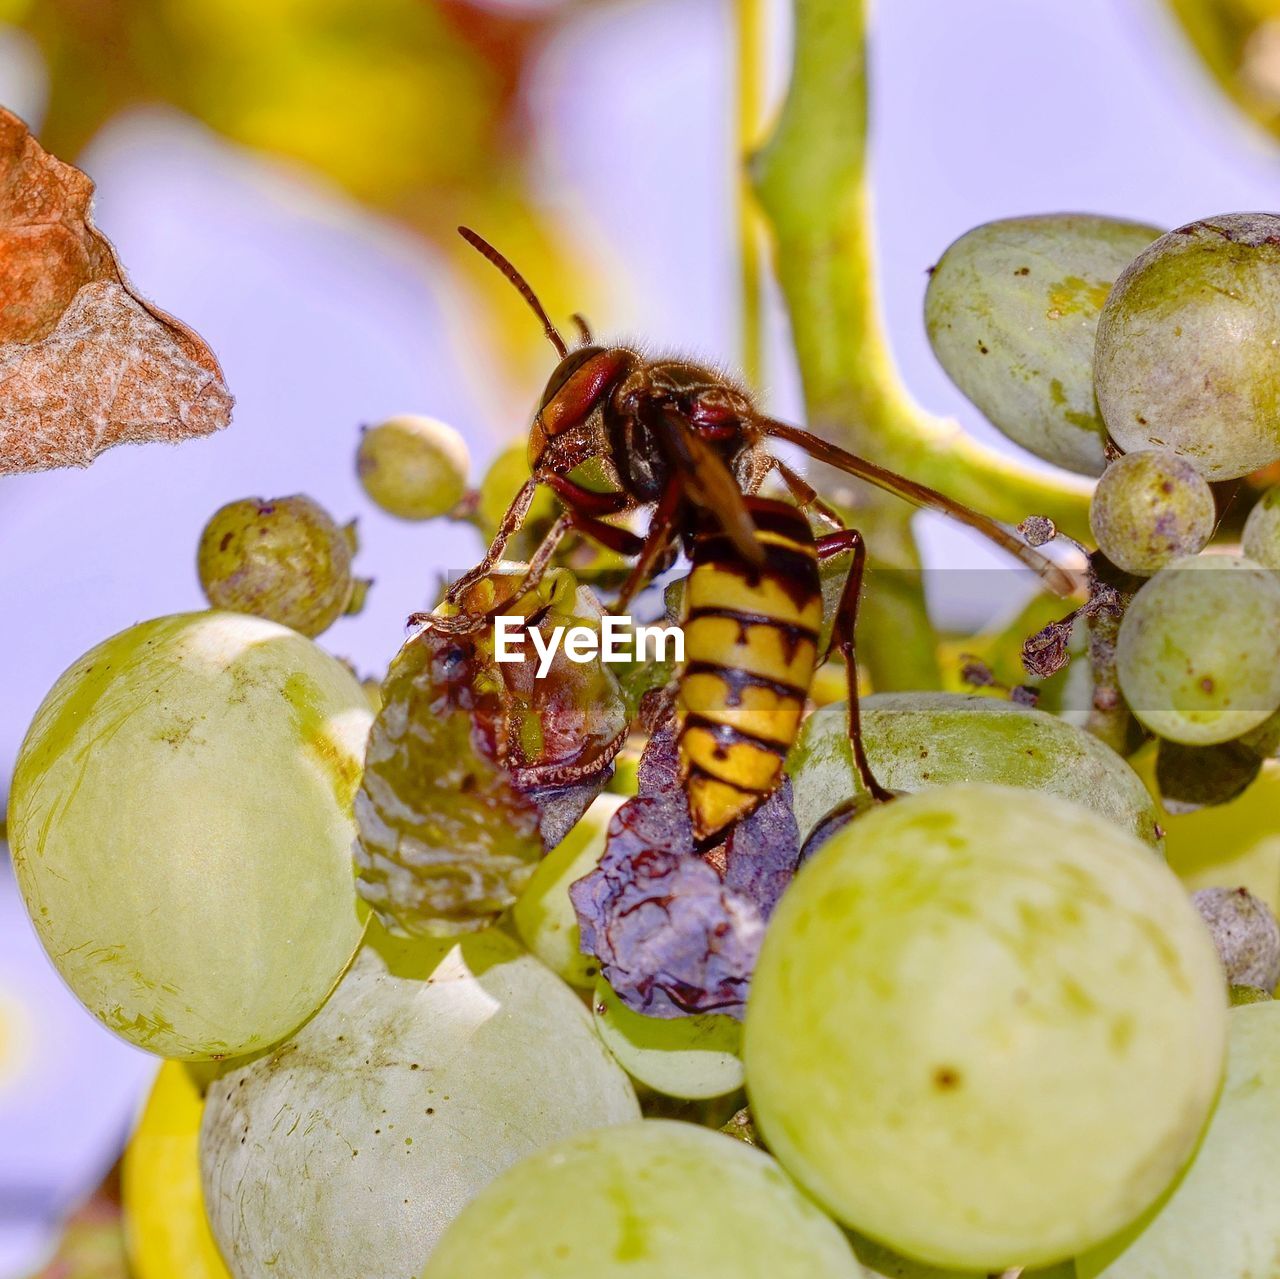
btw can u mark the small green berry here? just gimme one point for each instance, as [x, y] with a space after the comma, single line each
[1150, 508]
[1247, 995]
[286, 560]
[1245, 933]
[413, 467]
[1262, 530]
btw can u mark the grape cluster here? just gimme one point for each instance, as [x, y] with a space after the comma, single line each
[979, 1026]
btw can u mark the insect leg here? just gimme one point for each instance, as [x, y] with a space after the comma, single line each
[843, 636]
[806, 496]
[512, 521]
[1055, 578]
[656, 541]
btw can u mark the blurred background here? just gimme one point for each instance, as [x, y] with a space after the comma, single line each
[285, 176]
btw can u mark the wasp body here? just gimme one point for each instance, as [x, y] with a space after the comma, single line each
[751, 648]
[684, 443]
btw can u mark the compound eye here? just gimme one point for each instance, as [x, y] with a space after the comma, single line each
[565, 370]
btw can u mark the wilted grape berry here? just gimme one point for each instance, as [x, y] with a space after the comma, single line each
[285, 559]
[1245, 933]
[1149, 508]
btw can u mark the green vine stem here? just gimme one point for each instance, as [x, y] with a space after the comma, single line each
[811, 181]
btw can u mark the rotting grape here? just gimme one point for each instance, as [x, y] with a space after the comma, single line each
[693, 1057]
[920, 740]
[1246, 934]
[434, 1066]
[1149, 508]
[1196, 654]
[285, 559]
[1261, 538]
[181, 827]
[544, 915]
[413, 467]
[1222, 1219]
[1186, 348]
[1011, 312]
[652, 1200]
[985, 1028]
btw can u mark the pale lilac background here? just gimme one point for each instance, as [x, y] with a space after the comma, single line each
[325, 317]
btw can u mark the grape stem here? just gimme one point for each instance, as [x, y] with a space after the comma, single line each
[811, 182]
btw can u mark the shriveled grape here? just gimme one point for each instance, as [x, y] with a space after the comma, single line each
[919, 740]
[1196, 655]
[1011, 313]
[653, 1200]
[985, 1028]
[285, 559]
[1186, 350]
[1261, 539]
[434, 1066]
[413, 467]
[181, 827]
[1222, 1220]
[1150, 508]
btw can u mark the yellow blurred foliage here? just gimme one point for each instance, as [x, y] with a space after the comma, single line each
[1239, 41]
[166, 1232]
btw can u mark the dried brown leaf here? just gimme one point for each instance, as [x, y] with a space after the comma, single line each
[85, 363]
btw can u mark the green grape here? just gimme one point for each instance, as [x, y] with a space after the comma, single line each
[881, 1263]
[285, 560]
[544, 916]
[1238, 995]
[657, 1199]
[181, 827]
[434, 1066]
[920, 740]
[1186, 356]
[985, 1028]
[1222, 1219]
[1196, 656]
[1011, 312]
[1150, 508]
[1261, 539]
[1245, 933]
[413, 467]
[692, 1057]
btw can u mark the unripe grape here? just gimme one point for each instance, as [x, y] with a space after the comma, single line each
[691, 1057]
[1150, 508]
[181, 827]
[413, 467]
[1196, 655]
[1261, 539]
[1222, 1218]
[986, 1027]
[916, 741]
[1245, 933]
[284, 559]
[434, 1066]
[544, 916]
[653, 1200]
[1241, 995]
[1186, 353]
[1011, 312]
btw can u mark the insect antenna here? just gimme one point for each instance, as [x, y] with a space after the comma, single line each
[483, 247]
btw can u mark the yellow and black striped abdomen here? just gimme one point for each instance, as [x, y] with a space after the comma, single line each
[750, 646]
